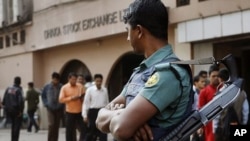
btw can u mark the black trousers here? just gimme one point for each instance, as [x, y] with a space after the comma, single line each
[16, 122]
[93, 132]
[54, 117]
[32, 120]
[74, 121]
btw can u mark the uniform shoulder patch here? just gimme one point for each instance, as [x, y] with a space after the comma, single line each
[153, 80]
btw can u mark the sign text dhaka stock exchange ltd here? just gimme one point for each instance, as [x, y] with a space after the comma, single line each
[85, 24]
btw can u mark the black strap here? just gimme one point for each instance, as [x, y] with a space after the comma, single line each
[174, 60]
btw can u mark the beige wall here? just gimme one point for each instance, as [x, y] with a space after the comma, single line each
[38, 69]
[182, 50]
[51, 16]
[202, 50]
[63, 17]
[41, 5]
[207, 8]
[98, 56]
[18, 65]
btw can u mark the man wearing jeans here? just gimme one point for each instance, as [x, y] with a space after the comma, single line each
[50, 95]
[32, 98]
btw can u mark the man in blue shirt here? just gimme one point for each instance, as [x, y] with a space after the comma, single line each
[50, 96]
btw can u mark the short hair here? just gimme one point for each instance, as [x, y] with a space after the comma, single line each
[55, 75]
[71, 74]
[224, 74]
[80, 75]
[151, 14]
[196, 78]
[202, 72]
[17, 80]
[31, 84]
[98, 76]
[213, 68]
[88, 78]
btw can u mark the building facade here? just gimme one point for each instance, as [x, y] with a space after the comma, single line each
[89, 36]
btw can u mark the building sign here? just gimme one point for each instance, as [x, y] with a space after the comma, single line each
[85, 24]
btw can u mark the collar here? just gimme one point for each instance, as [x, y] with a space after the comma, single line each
[97, 88]
[156, 57]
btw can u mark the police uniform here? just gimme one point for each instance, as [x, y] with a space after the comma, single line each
[156, 81]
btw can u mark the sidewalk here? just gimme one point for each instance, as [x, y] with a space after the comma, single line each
[40, 136]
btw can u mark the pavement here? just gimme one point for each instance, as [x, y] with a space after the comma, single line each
[31, 136]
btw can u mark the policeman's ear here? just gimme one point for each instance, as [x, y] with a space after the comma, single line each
[139, 29]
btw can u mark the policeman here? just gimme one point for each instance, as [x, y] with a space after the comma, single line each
[156, 96]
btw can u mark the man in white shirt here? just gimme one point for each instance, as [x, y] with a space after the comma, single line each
[96, 97]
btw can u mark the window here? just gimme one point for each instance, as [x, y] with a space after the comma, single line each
[182, 2]
[7, 40]
[1, 42]
[15, 12]
[22, 36]
[14, 38]
[1, 13]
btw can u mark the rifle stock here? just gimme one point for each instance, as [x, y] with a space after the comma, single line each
[230, 64]
[201, 117]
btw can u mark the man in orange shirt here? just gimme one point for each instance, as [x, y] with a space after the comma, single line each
[71, 95]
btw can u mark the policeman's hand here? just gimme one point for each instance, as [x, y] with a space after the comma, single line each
[143, 134]
[116, 106]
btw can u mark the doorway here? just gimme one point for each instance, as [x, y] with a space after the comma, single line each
[240, 49]
[73, 66]
[121, 72]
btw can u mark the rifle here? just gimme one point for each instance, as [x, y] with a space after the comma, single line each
[212, 109]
